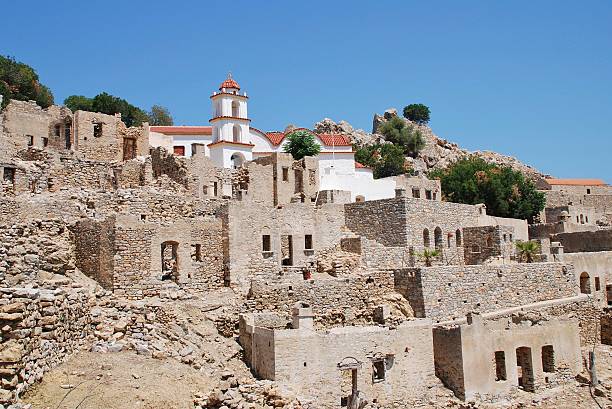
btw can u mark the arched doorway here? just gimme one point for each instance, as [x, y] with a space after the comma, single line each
[438, 238]
[237, 160]
[458, 237]
[585, 283]
[426, 238]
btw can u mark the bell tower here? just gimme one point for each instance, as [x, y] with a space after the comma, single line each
[230, 121]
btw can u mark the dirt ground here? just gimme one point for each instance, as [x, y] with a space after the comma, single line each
[117, 381]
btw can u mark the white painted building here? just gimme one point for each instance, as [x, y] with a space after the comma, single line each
[230, 140]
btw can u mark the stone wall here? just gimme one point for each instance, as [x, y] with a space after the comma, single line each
[488, 363]
[35, 250]
[335, 301]
[249, 223]
[578, 242]
[448, 292]
[380, 220]
[95, 249]
[294, 355]
[40, 328]
[487, 244]
[139, 269]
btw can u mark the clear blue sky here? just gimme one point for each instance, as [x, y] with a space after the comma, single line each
[528, 78]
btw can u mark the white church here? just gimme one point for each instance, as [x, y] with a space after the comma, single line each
[230, 140]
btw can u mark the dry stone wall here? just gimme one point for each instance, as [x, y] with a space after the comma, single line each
[33, 251]
[335, 301]
[450, 292]
[40, 327]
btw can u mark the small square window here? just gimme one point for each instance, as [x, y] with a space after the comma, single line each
[97, 130]
[416, 193]
[378, 370]
[45, 142]
[57, 130]
[266, 243]
[30, 140]
[428, 194]
[9, 175]
[308, 242]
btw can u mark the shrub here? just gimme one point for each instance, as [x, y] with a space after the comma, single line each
[504, 191]
[399, 133]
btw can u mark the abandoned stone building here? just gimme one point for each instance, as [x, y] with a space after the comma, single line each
[330, 264]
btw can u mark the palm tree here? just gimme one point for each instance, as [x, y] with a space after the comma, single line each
[527, 250]
[427, 255]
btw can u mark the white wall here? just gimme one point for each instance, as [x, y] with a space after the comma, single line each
[187, 140]
[521, 230]
[157, 139]
[359, 185]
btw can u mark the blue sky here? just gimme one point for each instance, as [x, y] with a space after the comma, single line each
[531, 79]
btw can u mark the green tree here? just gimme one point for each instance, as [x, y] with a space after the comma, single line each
[504, 191]
[19, 81]
[160, 115]
[399, 133]
[417, 113]
[79, 103]
[108, 104]
[301, 143]
[527, 250]
[385, 160]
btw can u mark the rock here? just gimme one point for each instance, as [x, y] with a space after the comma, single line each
[12, 352]
[186, 351]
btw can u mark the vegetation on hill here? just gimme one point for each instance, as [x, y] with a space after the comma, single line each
[109, 104]
[386, 160]
[19, 81]
[417, 113]
[301, 143]
[504, 191]
[402, 134]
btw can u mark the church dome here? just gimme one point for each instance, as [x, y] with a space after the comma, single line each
[229, 83]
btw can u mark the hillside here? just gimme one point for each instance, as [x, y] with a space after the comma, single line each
[438, 153]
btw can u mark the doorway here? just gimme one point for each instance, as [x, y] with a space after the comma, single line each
[287, 250]
[129, 148]
[524, 369]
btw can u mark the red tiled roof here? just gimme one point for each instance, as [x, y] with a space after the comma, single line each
[182, 130]
[335, 139]
[229, 83]
[360, 166]
[576, 182]
[277, 137]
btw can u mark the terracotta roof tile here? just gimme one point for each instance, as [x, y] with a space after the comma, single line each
[277, 137]
[229, 83]
[182, 130]
[361, 166]
[576, 182]
[335, 139]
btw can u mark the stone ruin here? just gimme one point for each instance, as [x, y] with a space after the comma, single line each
[328, 302]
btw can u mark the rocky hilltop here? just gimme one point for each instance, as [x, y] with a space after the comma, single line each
[438, 153]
